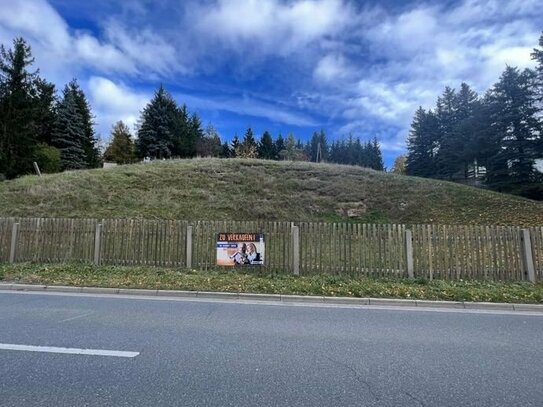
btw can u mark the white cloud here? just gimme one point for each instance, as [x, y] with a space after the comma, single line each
[35, 18]
[331, 67]
[249, 106]
[404, 34]
[148, 50]
[89, 52]
[385, 100]
[355, 65]
[419, 51]
[113, 102]
[61, 52]
[271, 26]
[476, 11]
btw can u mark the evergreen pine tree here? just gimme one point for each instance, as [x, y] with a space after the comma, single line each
[483, 143]
[17, 110]
[360, 153]
[235, 145]
[349, 154]
[266, 149]
[456, 150]
[182, 143]
[334, 152]
[290, 151]
[90, 142]
[318, 147]
[446, 114]
[324, 147]
[537, 55]
[69, 133]
[121, 149]
[279, 146]
[158, 122]
[249, 138]
[516, 129]
[306, 148]
[46, 101]
[195, 135]
[376, 157]
[225, 150]
[467, 127]
[422, 144]
[248, 147]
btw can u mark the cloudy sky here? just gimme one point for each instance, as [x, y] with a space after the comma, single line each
[283, 65]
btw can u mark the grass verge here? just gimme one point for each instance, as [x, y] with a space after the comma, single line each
[261, 282]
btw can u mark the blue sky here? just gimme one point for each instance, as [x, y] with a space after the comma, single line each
[360, 67]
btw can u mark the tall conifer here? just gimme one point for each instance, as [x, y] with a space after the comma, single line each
[157, 127]
[516, 130]
[18, 128]
[422, 144]
[266, 148]
[90, 141]
[69, 133]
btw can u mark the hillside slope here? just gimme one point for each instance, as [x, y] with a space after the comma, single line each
[205, 189]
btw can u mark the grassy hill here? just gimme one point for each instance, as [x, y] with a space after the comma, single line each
[202, 189]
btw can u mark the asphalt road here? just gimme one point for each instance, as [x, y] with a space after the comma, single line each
[204, 353]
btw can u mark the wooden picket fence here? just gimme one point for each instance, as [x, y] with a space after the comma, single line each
[438, 251]
[363, 249]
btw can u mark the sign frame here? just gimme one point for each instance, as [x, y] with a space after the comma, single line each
[240, 249]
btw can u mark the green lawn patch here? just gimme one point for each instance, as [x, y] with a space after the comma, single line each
[255, 281]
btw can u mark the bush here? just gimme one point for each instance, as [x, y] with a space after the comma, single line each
[48, 158]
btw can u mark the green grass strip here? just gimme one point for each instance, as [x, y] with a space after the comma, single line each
[255, 281]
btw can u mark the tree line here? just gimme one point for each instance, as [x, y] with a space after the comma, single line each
[36, 124]
[57, 131]
[496, 137]
[167, 130]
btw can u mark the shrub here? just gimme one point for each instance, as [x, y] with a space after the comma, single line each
[48, 158]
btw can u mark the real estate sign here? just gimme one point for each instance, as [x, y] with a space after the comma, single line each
[240, 249]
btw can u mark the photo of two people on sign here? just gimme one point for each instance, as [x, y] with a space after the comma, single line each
[246, 254]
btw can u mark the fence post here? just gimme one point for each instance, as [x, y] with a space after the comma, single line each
[97, 243]
[527, 257]
[296, 250]
[189, 246]
[37, 169]
[409, 253]
[14, 235]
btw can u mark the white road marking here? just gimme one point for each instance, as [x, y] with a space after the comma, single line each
[71, 351]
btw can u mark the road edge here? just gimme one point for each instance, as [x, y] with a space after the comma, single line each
[396, 302]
